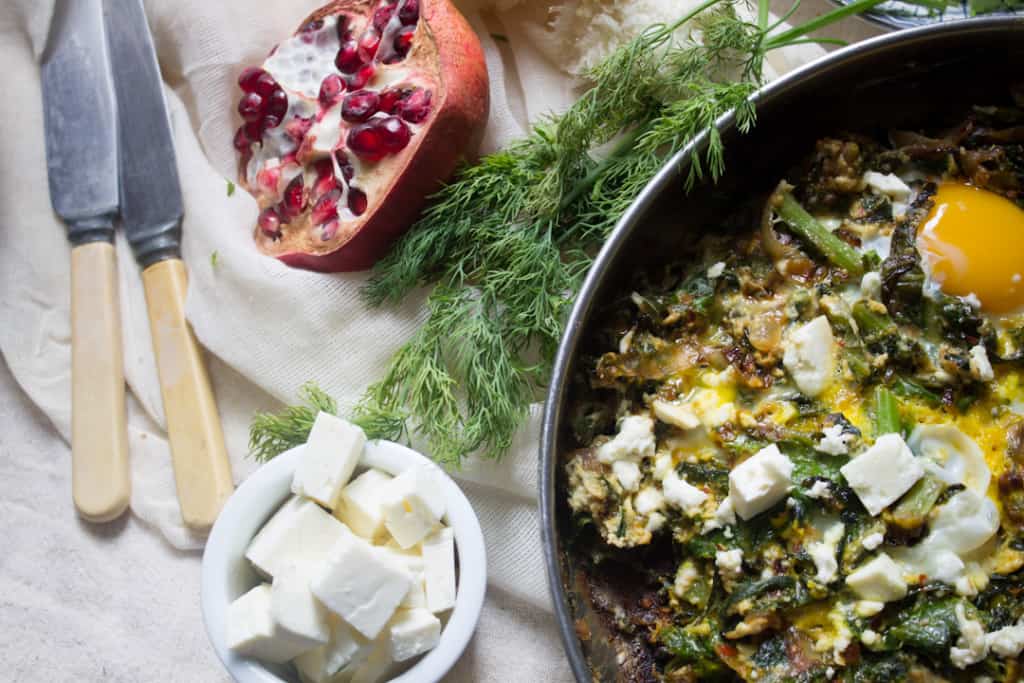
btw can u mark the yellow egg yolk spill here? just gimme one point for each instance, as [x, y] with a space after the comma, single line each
[973, 241]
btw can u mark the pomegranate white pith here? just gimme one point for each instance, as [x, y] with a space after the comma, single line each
[349, 124]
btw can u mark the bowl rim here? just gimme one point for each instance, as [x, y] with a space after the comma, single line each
[271, 482]
[583, 306]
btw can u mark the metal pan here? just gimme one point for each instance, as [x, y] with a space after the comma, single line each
[916, 77]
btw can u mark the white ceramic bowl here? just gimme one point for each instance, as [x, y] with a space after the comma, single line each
[227, 574]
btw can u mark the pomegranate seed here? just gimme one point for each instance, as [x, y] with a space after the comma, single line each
[331, 89]
[348, 60]
[277, 105]
[359, 106]
[265, 84]
[268, 178]
[270, 121]
[270, 222]
[395, 133]
[347, 171]
[410, 12]
[382, 16]
[356, 201]
[242, 140]
[328, 232]
[344, 33]
[327, 208]
[294, 199]
[311, 26]
[368, 45]
[389, 99]
[297, 128]
[250, 106]
[366, 141]
[361, 77]
[325, 180]
[254, 131]
[403, 40]
[416, 106]
[247, 79]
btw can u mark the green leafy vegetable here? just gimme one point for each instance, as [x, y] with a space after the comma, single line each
[804, 226]
[270, 434]
[231, 188]
[887, 413]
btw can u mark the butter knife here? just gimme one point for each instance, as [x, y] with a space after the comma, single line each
[151, 213]
[79, 115]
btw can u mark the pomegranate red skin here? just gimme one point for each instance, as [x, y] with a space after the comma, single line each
[461, 104]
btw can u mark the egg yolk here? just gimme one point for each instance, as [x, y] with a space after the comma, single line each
[973, 241]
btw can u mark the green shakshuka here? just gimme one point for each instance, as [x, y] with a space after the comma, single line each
[804, 439]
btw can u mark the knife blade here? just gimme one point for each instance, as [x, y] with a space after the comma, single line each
[151, 214]
[79, 116]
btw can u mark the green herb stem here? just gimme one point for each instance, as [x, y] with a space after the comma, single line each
[887, 413]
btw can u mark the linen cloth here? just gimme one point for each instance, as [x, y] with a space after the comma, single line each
[267, 328]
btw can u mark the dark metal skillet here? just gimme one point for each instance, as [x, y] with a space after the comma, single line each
[910, 78]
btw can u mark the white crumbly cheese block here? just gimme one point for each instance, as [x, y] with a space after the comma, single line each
[378, 665]
[360, 504]
[883, 473]
[299, 533]
[872, 541]
[810, 356]
[345, 648]
[361, 584]
[888, 184]
[331, 454]
[296, 612]
[729, 562]
[972, 644]
[823, 553]
[675, 414]
[834, 441]
[682, 493]
[439, 570]
[760, 482]
[715, 271]
[820, 490]
[648, 500]
[871, 285]
[981, 368]
[413, 632]
[413, 504]
[662, 466]
[628, 474]
[880, 579]
[1007, 641]
[412, 560]
[252, 631]
[634, 440]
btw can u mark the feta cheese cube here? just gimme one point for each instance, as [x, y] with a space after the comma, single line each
[883, 473]
[1007, 641]
[634, 440]
[413, 632]
[880, 579]
[360, 505]
[628, 474]
[362, 584]
[252, 631]
[981, 368]
[412, 560]
[972, 645]
[297, 613]
[300, 533]
[760, 482]
[729, 562]
[810, 356]
[345, 648]
[331, 454]
[675, 414]
[648, 500]
[377, 666]
[413, 504]
[888, 184]
[439, 570]
[872, 541]
[834, 441]
[682, 493]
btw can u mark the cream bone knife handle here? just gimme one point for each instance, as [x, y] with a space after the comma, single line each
[202, 472]
[100, 479]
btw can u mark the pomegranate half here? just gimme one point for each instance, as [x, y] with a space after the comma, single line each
[352, 122]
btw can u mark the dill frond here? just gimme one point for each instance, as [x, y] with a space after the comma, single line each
[270, 434]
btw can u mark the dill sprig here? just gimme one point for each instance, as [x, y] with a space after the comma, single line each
[508, 242]
[270, 435]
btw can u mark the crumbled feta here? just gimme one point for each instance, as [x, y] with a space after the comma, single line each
[872, 541]
[634, 440]
[820, 490]
[871, 285]
[823, 553]
[412, 632]
[345, 649]
[655, 521]
[328, 459]
[888, 184]
[297, 613]
[729, 562]
[682, 494]
[253, 632]
[724, 516]
[628, 474]
[648, 500]
[972, 300]
[883, 473]
[810, 356]
[300, 533]
[869, 637]
[715, 271]
[1007, 641]
[868, 608]
[686, 575]
[835, 441]
[759, 482]
[360, 504]
[981, 368]
[413, 504]
[972, 645]
[662, 466]
[362, 584]
[675, 414]
[880, 579]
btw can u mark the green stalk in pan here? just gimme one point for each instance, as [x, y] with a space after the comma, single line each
[810, 231]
